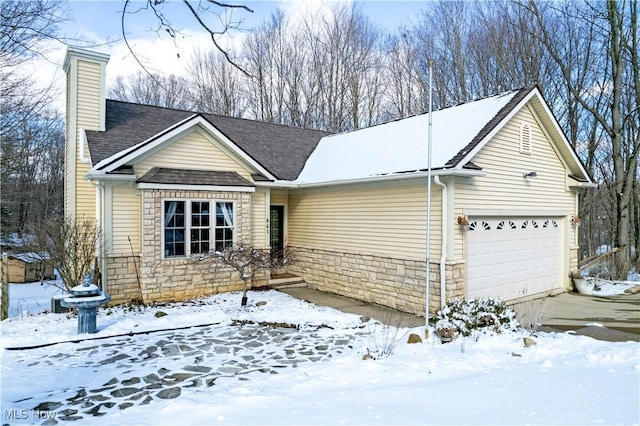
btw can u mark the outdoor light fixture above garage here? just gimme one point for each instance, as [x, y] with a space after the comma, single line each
[530, 174]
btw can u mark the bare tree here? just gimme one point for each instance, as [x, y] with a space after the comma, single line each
[247, 261]
[31, 134]
[344, 61]
[67, 245]
[612, 100]
[152, 89]
[217, 18]
[215, 85]
[24, 29]
[408, 91]
[31, 168]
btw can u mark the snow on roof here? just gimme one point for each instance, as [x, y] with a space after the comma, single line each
[401, 145]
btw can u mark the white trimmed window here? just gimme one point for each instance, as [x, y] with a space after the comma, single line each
[192, 227]
[525, 138]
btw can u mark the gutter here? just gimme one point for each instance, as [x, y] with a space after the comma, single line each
[102, 176]
[443, 249]
[392, 176]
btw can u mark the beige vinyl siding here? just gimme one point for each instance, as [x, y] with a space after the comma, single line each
[259, 218]
[88, 117]
[279, 197]
[384, 218]
[88, 95]
[69, 161]
[125, 220]
[85, 193]
[504, 188]
[192, 151]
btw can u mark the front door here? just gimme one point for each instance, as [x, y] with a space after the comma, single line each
[276, 237]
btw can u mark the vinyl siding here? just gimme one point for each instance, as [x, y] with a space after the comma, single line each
[192, 151]
[504, 187]
[88, 95]
[88, 117]
[384, 219]
[279, 198]
[69, 161]
[85, 193]
[259, 218]
[125, 220]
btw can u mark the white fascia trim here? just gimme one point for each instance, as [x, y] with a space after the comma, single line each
[196, 187]
[86, 55]
[583, 185]
[102, 176]
[562, 136]
[111, 163]
[391, 176]
[497, 128]
[130, 154]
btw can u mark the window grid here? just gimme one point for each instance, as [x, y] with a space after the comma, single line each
[200, 227]
[189, 227]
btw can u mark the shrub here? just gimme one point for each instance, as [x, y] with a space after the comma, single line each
[463, 317]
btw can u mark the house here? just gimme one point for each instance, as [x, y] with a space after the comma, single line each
[27, 267]
[165, 185]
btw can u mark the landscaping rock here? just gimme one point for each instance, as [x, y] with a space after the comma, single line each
[119, 393]
[529, 342]
[169, 393]
[48, 406]
[160, 314]
[414, 338]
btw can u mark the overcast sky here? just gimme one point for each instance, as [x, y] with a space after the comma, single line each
[100, 21]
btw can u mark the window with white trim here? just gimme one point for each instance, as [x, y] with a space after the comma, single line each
[190, 227]
[525, 138]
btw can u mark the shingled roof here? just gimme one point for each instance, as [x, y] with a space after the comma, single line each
[164, 175]
[282, 150]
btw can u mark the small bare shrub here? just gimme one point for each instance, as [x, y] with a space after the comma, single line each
[385, 335]
[68, 245]
[530, 314]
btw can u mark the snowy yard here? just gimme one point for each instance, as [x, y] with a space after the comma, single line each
[248, 366]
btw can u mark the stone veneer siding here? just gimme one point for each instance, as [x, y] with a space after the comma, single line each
[394, 282]
[182, 278]
[122, 280]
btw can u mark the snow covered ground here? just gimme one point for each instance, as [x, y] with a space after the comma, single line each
[563, 379]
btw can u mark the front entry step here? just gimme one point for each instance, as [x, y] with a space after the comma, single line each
[286, 281]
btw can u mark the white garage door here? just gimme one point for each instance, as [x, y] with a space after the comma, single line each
[511, 258]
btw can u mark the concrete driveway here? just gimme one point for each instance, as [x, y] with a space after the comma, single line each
[615, 318]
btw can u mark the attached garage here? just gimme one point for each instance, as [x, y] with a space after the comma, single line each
[513, 257]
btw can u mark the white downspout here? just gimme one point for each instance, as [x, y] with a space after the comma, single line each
[443, 250]
[99, 239]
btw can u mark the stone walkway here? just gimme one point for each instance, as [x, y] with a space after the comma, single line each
[162, 365]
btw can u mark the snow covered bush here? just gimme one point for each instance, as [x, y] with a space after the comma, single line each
[466, 316]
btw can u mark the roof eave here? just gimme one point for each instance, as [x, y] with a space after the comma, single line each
[188, 187]
[418, 174]
[124, 157]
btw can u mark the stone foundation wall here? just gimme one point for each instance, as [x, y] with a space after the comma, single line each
[122, 281]
[182, 278]
[394, 282]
